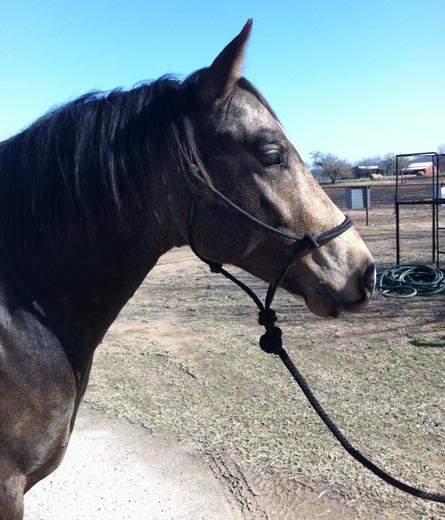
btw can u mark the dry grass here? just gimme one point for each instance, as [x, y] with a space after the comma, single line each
[183, 358]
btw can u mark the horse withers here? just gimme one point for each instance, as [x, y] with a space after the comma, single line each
[93, 193]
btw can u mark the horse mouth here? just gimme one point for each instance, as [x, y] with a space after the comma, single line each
[330, 305]
[328, 300]
[326, 307]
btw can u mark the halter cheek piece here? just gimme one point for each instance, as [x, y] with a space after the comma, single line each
[271, 341]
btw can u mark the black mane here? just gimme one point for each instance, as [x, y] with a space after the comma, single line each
[92, 163]
[92, 158]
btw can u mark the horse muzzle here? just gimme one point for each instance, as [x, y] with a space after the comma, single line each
[326, 298]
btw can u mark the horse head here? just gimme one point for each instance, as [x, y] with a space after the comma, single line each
[245, 154]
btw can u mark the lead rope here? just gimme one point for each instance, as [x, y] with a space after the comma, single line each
[271, 343]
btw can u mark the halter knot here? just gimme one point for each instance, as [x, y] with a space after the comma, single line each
[271, 341]
[312, 241]
[215, 267]
[267, 318]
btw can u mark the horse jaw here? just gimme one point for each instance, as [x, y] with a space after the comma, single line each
[331, 281]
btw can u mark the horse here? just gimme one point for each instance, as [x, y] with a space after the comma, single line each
[95, 191]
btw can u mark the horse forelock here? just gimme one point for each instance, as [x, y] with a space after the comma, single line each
[193, 83]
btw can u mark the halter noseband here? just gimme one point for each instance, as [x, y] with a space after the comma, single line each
[271, 341]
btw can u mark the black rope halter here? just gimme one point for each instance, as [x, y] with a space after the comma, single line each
[271, 341]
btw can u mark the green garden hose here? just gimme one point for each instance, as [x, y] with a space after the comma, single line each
[407, 280]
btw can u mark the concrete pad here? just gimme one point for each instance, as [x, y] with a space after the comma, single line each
[117, 471]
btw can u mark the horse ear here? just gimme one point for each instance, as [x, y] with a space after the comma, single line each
[222, 75]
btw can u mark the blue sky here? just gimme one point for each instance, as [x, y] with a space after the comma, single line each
[352, 78]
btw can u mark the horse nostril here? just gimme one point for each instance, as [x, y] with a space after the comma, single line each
[368, 278]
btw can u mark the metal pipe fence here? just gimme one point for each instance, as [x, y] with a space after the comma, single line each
[415, 236]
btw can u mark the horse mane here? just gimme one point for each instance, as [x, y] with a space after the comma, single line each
[95, 161]
[93, 158]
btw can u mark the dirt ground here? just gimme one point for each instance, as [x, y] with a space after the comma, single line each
[182, 363]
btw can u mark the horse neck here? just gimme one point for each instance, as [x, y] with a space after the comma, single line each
[82, 286]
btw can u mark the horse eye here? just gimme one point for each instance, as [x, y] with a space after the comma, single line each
[271, 158]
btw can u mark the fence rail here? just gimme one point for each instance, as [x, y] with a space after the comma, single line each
[416, 232]
[382, 194]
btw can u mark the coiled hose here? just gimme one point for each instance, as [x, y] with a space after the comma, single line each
[408, 280]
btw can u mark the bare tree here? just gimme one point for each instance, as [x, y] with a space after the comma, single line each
[387, 164]
[332, 166]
